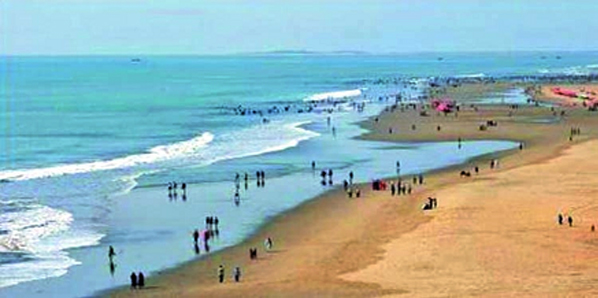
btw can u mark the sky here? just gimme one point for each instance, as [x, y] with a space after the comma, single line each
[135, 27]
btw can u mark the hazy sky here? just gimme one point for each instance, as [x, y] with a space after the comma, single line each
[227, 26]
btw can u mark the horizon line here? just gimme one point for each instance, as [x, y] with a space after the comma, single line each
[294, 52]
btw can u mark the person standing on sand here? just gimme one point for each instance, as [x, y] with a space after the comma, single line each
[570, 220]
[221, 274]
[141, 280]
[392, 189]
[268, 243]
[351, 177]
[560, 219]
[237, 274]
[133, 280]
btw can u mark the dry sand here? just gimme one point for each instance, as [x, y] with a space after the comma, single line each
[498, 235]
[493, 234]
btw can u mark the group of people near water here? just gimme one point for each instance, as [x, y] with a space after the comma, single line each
[260, 181]
[172, 190]
[325, 174]
[211, 230]
[137, 280]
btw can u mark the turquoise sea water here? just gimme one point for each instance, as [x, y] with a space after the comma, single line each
[89, 143]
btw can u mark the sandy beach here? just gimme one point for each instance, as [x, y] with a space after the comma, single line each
[545, 93]
[493, 234]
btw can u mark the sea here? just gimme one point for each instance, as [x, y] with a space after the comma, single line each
[90, 144]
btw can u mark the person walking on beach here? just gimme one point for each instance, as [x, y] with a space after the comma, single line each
[221, 274]
[392, 189]
[184, 188]
[216, 221]
[560, 219]
[421, 179]
[268, 243]
[313, 165]
[357, 193]
[570, 220]
[133, 280]
[140, 280]
[237, 274]
[351, 177]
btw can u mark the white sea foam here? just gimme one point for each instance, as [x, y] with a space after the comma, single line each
[572, 70]
[472, 76]
[334, 95]
[271, 137]
[158, 153]
[42, 234]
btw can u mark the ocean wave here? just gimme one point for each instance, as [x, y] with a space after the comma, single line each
[471, 76]
[263, 139]
[158, 153]
[250, 141]
[23, 228]
[334, 95]
[571, 70]
[40, 233]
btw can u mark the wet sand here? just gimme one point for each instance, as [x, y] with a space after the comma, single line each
[381, 245]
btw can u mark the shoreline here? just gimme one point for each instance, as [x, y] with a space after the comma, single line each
[335, 201]
[257, 235]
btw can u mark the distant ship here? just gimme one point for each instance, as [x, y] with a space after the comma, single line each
[440, 58]
[136, 60]
[558, 57]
